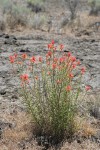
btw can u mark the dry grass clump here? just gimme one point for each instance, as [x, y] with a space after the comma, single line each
[22, 128]
[85, 145]
[19, 136]
[2, 24]
[86, 129]
[82, 22]
[88, 21]
[38, 21]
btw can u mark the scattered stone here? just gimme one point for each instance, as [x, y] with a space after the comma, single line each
[96, 137]
[5, 124]
[21, 145]
[66, 50]
[2, 92]
[1, 34]
[0, 132]
[95, 112]
[13, 112]
[11, 126]
[93, 40]
[14, 97]
[10, 42]
[6, 36]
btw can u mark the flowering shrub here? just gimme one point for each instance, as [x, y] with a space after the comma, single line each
[50, 88]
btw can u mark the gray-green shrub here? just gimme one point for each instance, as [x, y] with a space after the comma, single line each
[36, 5]
[95, 7]
[14, 14]
[72, 6]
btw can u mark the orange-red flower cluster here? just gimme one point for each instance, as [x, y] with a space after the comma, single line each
[54, 66]
[71, 75]
[88, 88]
[24, 56]
[12, 59]
[24, 78]
[40, 59]
[61, 47]
[32, 59]
[66, 64]
[51, 45]
[83, 70]
[68, 88]
[49, 54]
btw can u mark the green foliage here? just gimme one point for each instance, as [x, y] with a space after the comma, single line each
[50, 90]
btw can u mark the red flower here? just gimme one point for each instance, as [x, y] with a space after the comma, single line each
[12, 59]
[19, 62]
[83, 70]
[60, 67]
[40, 59]
[58, 81]
[54, 48]
[48, 73]
[55, 60]
[78, 62]
[36, 78]
[54, 66]
[50, 46]
[68, 88]
[15, 55]
[87, 88]
[61, 46]
[61, 59]
[69, 54]
[74, 65]
[71, 75]
[24, 56]
[49, 54]
[52, 42]
[48, 63]
[32, 59]
[72, 58]
[24, 77]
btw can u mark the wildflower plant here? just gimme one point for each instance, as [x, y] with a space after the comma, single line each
[50, 88]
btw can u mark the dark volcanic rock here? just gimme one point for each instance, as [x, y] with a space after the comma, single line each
[14, 97]
[2, 92]
[10, 41]
[24, 50]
